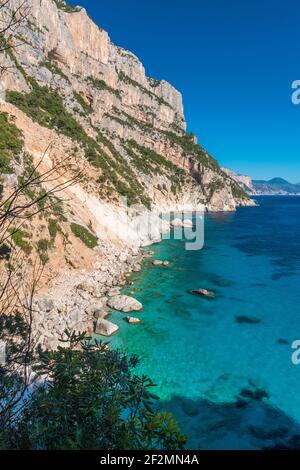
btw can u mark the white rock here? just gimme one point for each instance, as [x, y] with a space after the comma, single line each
[105, 327]
[176, 223]
[133, 320]
[124, 303]
[187, 223]
[114, 291]
[157, 262]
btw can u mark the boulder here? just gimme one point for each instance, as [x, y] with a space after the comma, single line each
[187, 223]
[113, 292]
[133, 320]
[182, 223]
[91, 309]
[124, 303]
[158, 262]
[100, 313]
[137, 268]
[203, 293]
[105, 327]
[176, 223]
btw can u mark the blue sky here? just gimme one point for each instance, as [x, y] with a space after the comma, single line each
[234, 62]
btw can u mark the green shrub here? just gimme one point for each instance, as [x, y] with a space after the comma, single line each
[126, 79]
[84, 105]
[237, 191]
[186, 142]
[43, 244]
[46, 107]
[90, 397]
[103, 86]
[5, 251]
[42, 248]
[53, 228]
[150, 162]
[85, 235]
[11, 143]
[64, 6]
[54, 68]
[19, 238]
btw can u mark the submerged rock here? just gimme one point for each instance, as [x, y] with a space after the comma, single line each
[203, 293]
[257, 394]
[124, 303]
[249, 320]
[283, 341]
[105, 327]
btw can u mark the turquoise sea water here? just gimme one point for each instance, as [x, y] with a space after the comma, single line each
[208, 365]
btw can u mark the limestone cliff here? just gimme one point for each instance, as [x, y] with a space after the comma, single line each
[130, 128]
[73, 93]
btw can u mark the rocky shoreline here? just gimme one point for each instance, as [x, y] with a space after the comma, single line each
[81, 301]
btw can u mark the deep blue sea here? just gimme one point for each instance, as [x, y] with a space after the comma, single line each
[223, 366]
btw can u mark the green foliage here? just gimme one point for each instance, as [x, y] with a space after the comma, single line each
[92, 401]
[150, 162]
[126, 79]
[215, 185]
[64, 6]
[103, 86]
[54, 68]
[53, 228]
[85, 235]
[186, 142]
[19, 236]
[84, 105]
[46, 107]
[237, 191]
[43, 244]
[5, 251]
[11, 143]
[14, 332]
[42, 248]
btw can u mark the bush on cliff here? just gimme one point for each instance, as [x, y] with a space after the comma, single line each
[85, 236]
[11, 143]
[92, 400]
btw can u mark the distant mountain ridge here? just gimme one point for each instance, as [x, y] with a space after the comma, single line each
[276, 186]
[273, 187]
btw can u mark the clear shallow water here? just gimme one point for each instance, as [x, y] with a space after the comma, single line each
[196, 351]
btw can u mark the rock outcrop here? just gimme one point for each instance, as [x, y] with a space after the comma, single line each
[105, 327]
[124, 303]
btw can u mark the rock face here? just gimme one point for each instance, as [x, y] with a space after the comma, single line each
[244, 182]
[137, 121]
[124, 303]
